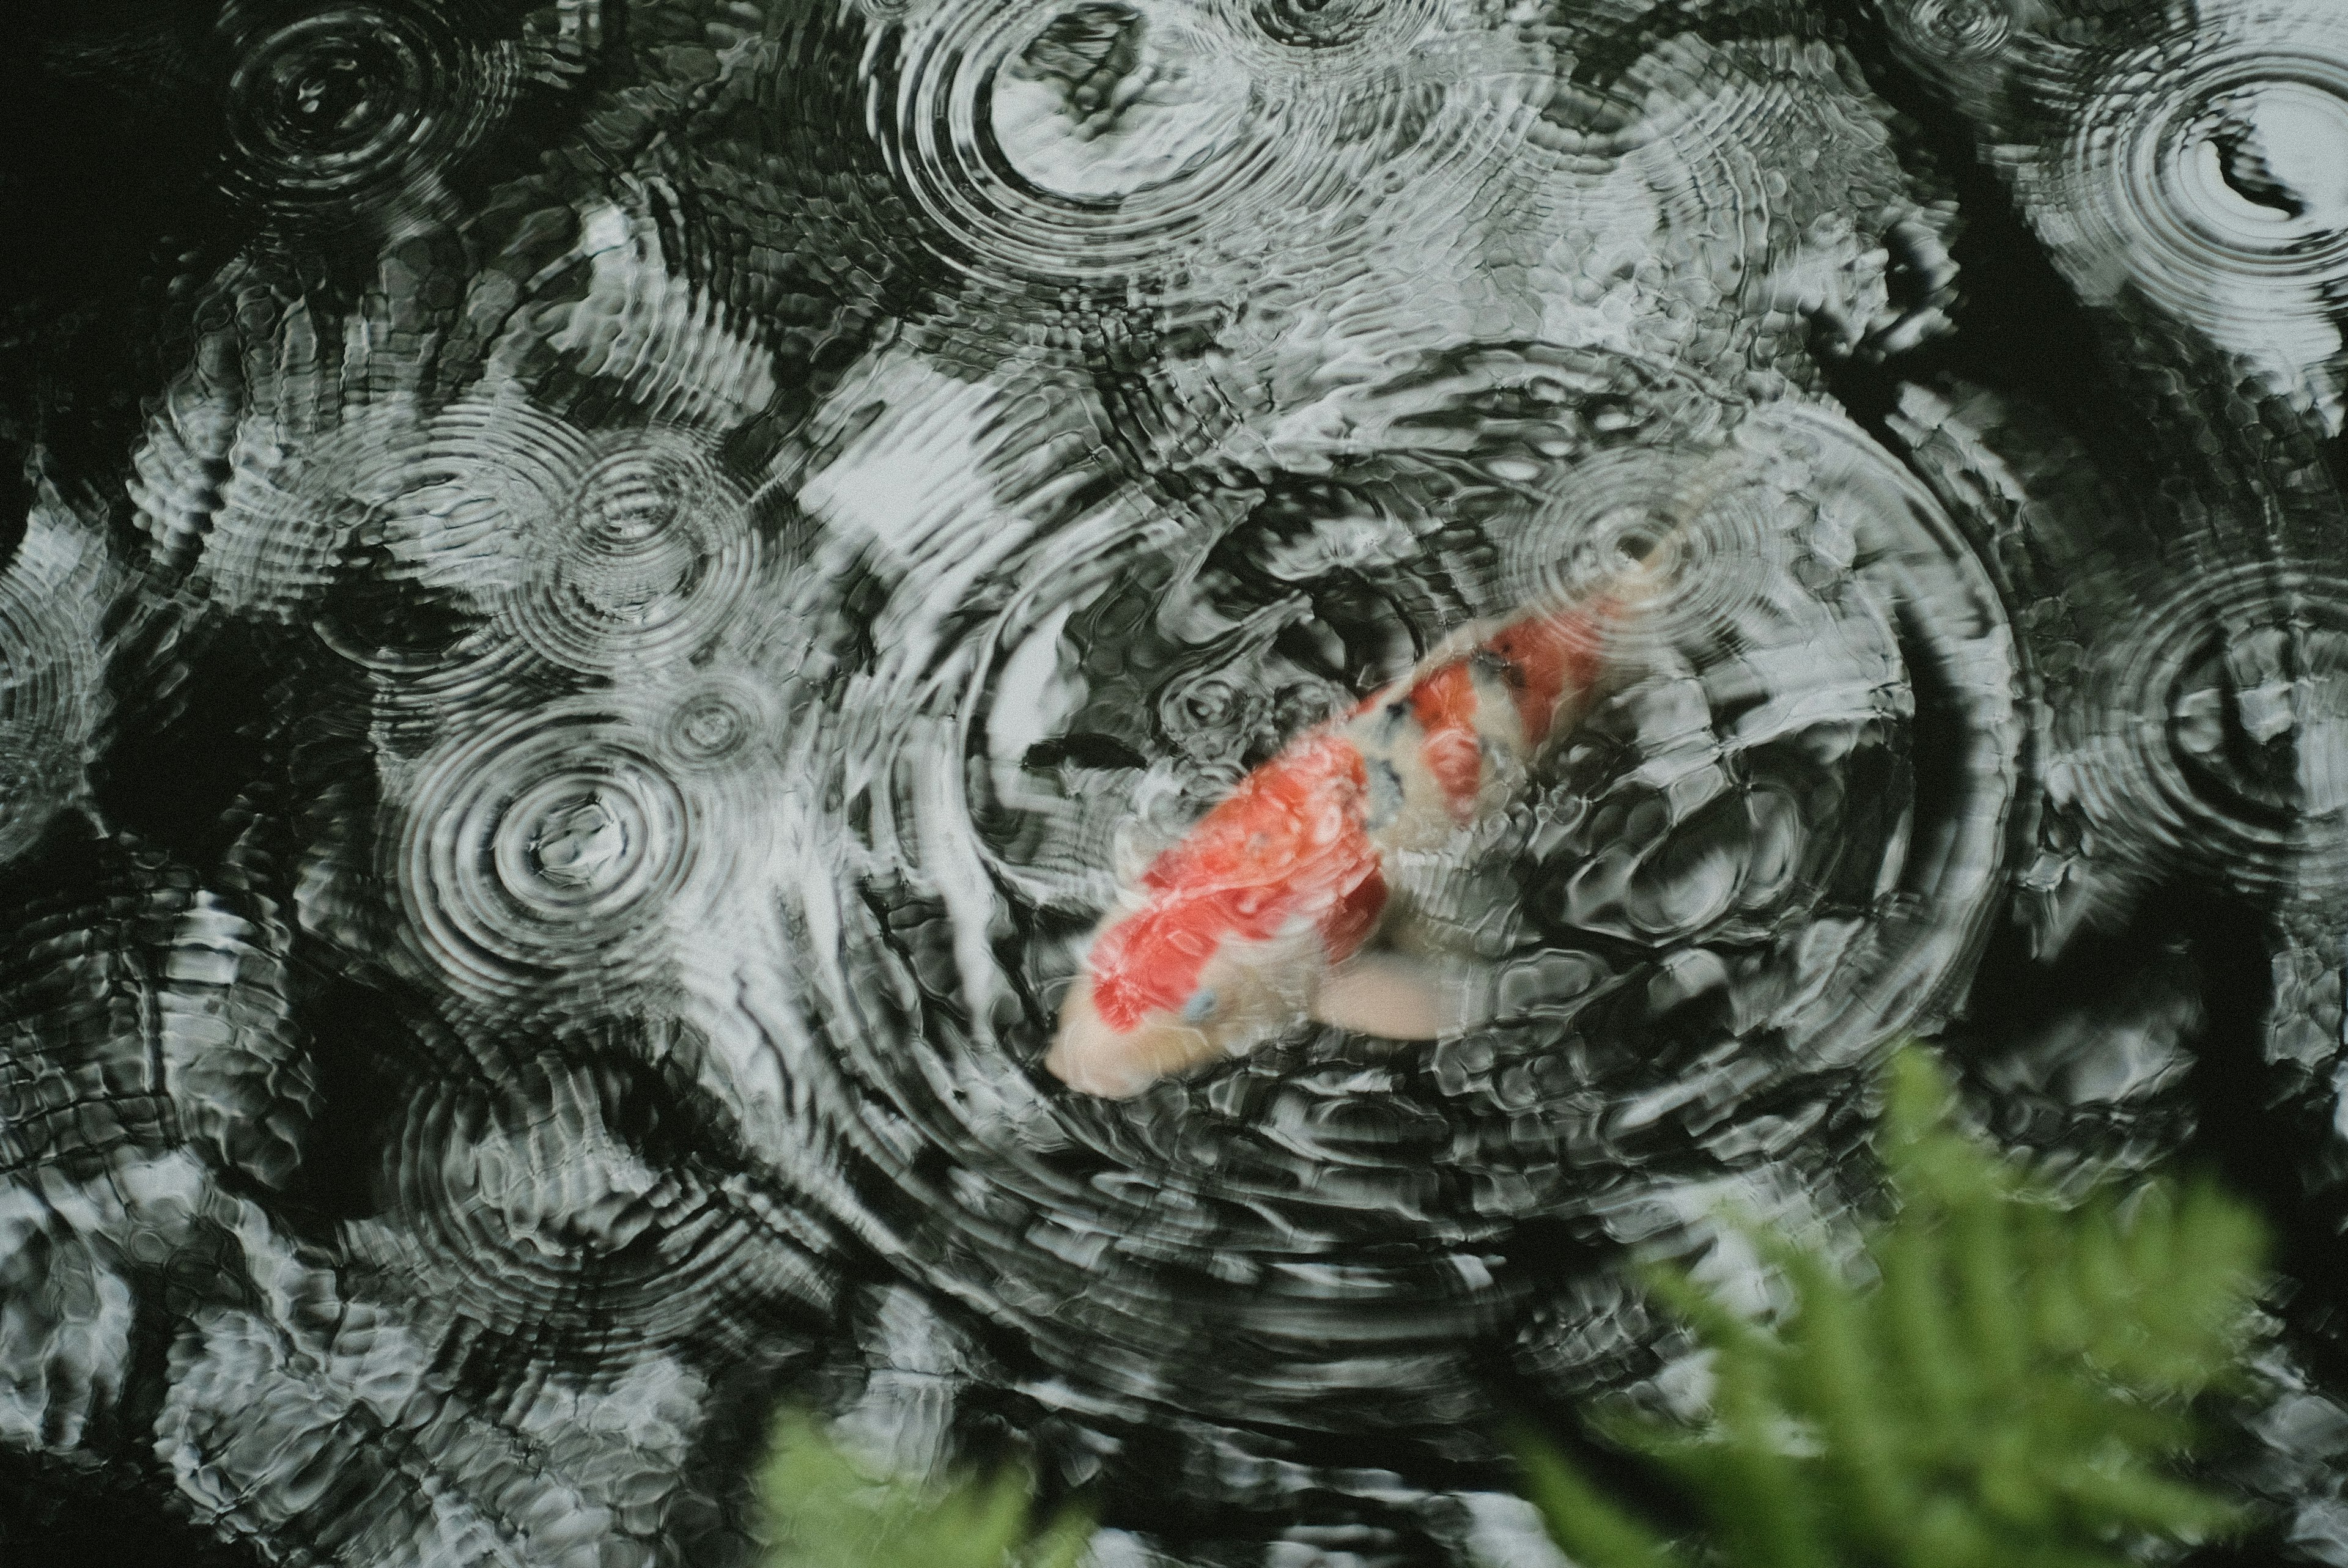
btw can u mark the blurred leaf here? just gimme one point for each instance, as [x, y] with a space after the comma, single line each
[2012, 1390]
[826, 1513]
[1584, 1523]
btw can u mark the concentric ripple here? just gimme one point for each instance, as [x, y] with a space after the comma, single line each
[1325, 40]
[482, 480]
[1101, 107]
[1082, 144]
[1710, 523]
[2206, 169]
[1777, 840]
[52, 600]
[611, 553]
[534, 1195]
[345, 108]
[1951, 32]
[547, 855]
[717, 718]
[993, 125]
[2216, 735]
[643, 561]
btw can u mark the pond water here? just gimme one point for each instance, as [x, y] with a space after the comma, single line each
[602, 598]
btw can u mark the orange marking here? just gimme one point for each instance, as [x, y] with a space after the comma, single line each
[1444, 703]
[1549, 656]
[1289, 843]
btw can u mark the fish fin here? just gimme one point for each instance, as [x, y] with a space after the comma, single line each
[1090, 1057]
[1396, 996]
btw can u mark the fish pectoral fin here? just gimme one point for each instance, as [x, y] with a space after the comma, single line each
[1397, 996]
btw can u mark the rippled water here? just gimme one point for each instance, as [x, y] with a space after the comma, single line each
[602, 597]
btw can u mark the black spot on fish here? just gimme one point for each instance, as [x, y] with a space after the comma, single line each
[1488, 663]
[1386, 793]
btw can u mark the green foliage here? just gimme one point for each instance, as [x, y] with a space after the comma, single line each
[2012, 1391]
[825, 1512]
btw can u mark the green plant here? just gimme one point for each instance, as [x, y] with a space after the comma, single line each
[2012, 1389]
[826, 1513]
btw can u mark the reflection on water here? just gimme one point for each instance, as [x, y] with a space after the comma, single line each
[602, 599]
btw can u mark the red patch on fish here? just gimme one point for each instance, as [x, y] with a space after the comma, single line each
[1547, 657]
[1444, 703]
[1290, 843]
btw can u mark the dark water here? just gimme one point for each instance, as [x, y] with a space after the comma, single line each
[598, 598]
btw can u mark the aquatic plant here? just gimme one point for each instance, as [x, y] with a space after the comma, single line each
[825, 1510]
[2007, 1381]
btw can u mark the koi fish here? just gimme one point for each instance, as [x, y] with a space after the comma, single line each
[1264, 914]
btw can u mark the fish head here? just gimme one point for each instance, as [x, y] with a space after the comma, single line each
[1247, 993]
